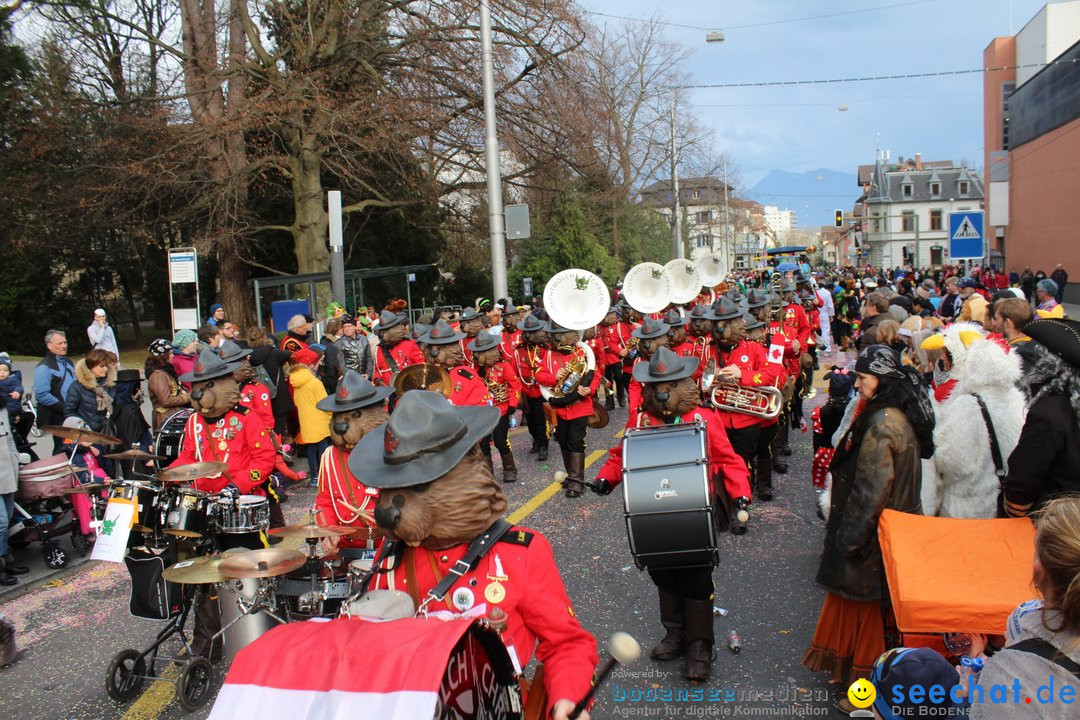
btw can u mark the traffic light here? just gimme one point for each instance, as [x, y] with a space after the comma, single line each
[839, 218]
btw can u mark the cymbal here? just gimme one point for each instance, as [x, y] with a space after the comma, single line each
[192, 471]
[134, 454]
[313, 531]
[196, 571]
[75, 434]
[85, 489]
[262, 563]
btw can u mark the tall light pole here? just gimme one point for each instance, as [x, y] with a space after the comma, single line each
[496, 219]
[676, 213]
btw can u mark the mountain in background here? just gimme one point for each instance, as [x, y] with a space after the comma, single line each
[814, 195]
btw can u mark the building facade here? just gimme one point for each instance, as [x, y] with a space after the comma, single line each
[710, 213]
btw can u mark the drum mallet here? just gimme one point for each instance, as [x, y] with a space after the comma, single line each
[624, 649]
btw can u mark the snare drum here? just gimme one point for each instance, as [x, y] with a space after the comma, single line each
[358, 570]
[303, 597]
[187, 514]
[241, 629]
[668, 505]
[244, 514]
[146, 496]
[170, 437]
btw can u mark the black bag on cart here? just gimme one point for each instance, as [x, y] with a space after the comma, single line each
[152, 596]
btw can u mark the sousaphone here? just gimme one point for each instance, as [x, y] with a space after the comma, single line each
[647, 288]
[576, 299]
[685, 280]
[712, 269]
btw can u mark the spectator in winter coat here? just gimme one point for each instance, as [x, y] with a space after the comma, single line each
[92, 394]
[101, 334]
[1061, 278]
[166, 395]
[53, 377]
[308, 390]
[185, 346]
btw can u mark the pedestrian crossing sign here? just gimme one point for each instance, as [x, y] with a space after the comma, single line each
[966, 239]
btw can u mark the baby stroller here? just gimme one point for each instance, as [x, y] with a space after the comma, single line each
[44, 511]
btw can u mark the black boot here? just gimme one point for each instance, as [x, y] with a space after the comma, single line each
[699, 640]
[207, 624]
[575, 471]
[11, 567]
[779, 464]
[609, 401]
[542, 452]
[509, 467]
[673, 618]
[7, 579]
[763, 467]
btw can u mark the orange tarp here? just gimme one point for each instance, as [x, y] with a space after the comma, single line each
[952, 575]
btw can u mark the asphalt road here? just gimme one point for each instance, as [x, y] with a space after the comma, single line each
[70, 625]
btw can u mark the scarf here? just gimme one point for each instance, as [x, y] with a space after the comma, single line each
[104, 400]
[1047, 375]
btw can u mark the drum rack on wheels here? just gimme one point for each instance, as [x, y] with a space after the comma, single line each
[130, 668]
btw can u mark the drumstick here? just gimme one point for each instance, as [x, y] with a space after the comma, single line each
[623, 649]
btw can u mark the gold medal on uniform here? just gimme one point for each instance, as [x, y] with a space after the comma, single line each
[494, 593]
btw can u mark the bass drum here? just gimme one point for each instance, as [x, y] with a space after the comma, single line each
[170, 437]
[668, 503]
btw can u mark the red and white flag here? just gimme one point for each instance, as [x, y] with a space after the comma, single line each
[776, 354]
[344, 669]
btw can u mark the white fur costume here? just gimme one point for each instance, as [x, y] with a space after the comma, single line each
[959, 481]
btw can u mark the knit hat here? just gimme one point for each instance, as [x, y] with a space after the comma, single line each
[183, 338]
[305, 356]
[159, 347]
[901, 669]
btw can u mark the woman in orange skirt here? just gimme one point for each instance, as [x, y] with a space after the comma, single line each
[877, 465]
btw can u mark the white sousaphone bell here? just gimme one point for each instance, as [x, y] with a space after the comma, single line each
[712, 269]
[647, 288]
[685, 281]
[576, 299]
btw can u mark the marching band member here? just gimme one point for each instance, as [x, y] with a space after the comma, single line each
[651, 336]
[472, 324]
[757, 318]
[527, 359]
[511, 336]
[787, 347]
[504, 385]
[616, 334]
[573, 405]
[677, 335]
[633, 321]
[442, 346]
[700, 329]
[672, 396]
[356, 408]
[591, 337]
[396, 351]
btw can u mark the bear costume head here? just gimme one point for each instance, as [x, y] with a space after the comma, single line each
[668, 387]
[700, 324]
[651, 336]
[435, 487]
[442, 346]
[392, 328]
[356, 408]
[214, 389]
[729, 329]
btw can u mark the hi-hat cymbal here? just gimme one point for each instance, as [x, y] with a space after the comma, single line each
[192, 471]
[78, 435]
[196, 571]
[312, 531]
[134, 454]
[262, 563]
[85, 489]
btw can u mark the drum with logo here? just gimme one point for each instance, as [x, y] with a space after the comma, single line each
[187, 513]
[243, 514]
[668, 504]
[148, 503]
[170, 437]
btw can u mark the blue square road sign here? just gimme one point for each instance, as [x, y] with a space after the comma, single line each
[966, 238]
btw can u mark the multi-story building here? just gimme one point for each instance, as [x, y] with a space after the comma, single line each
[905, 209]
[1030, 112]
[703, 203]
[780, 222]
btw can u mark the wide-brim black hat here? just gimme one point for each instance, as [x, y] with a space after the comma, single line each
[484, 341]
[674, 319]
[531, 323]
[756, 299]
[441, 333]
[470, 314]
[699, 312]
[128, 375]
[231, 352]
[1060, 336]
[665, 366]
[752, 323]
[724, 309]
[388, 319]
[208, 366]
[354, 391]
[425, 438]
[555, 328]
[651, 328]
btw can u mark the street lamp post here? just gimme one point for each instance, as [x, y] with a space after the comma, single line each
[676, 213]
[496, 220]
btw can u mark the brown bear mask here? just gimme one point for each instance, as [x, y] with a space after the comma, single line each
[488, 358]
[392, 336]
[472, 327]
[700, 327]
[450, 510]
[536, 338]
[347, 427]
[566, 339]
[670, 399]
[648, 346]
[214, 398]
[729, 333]
[447, 355]
[676, 335]
[243, 373]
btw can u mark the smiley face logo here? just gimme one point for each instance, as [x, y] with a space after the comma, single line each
[861, 693]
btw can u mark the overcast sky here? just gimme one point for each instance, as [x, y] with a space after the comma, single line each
[800, 128]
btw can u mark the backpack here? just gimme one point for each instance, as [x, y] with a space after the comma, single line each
[264, 377]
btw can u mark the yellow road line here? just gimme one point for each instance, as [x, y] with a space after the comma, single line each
[544, 495]
[153, 702]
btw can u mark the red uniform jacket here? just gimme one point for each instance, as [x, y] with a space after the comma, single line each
[539, 615]
[526, 359]
[550, 365]
[615, 339]
[468, 388]
[239, 439]
[723, 462]
[750, 357]
[796, 325]
[256, 397]
[780, 344]
[505, 373]
[464, 343]
[685, 349]
[510, 340]
[633, 391]
[405, 353]
[599, 352]
[342, 498]
[704, 350]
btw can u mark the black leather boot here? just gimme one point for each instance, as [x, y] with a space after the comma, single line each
[575, 471]
[207, 624]
[779, 464]
[11, 567]
[673, 618]
[509, 467]
[699, 640]
[6, 578]
[542, 452]
[763, 467]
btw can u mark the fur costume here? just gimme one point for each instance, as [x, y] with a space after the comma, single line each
[960, 480]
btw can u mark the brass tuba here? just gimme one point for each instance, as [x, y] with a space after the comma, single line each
[423, 376]
[685, 281]
[647, 288]
[572, 374]
[764, 401]
[576, 299]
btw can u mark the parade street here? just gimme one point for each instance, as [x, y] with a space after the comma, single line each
[70, 626]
